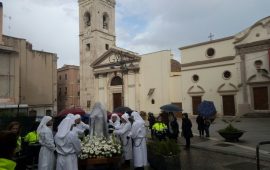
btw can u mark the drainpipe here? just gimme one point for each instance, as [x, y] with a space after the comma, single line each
[269, 58]
[1, 23]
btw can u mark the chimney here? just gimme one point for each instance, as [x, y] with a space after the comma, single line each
[1, 23]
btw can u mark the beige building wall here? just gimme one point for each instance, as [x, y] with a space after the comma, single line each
[27, 77]
[155, 71]
[9, 76]
[68, 87]
[34, 77]
[238, 55]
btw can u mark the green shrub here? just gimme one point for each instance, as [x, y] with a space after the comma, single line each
[229, 129]
[165, 147]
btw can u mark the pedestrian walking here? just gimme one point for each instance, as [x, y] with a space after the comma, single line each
[186, 129]
[207, 123]
[138, 134]
[46, 159]
[68, 146]
[200, 122]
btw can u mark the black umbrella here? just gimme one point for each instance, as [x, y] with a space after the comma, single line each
[171, 108]
[122, 109]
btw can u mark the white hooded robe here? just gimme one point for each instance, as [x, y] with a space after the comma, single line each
[46, 159]
[138, 134]
[68, 146]
[123, 131]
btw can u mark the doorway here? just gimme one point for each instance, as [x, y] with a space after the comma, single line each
[260, 98]
[117, 100]
[228, 105]
[196, 100]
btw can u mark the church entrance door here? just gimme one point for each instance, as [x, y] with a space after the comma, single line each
[260, 98]
[228, 105]
[196, 100]
[117, 100]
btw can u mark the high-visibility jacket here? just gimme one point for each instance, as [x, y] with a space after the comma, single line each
[31, 137]
[159, 127]
[19, 145]
[6, 164]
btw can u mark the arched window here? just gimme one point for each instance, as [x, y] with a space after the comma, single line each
[105, 21]
[87, 19]
[116, 81]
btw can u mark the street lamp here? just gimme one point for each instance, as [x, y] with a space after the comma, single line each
[124, 63]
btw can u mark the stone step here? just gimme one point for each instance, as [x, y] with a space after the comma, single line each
[257, 115]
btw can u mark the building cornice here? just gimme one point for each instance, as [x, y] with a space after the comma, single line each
[206, 42]
[210, 61]
[253, 47]
[7, 49]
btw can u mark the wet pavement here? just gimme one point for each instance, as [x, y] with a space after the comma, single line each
[197, 159]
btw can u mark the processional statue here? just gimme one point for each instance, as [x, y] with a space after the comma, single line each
[98, 121]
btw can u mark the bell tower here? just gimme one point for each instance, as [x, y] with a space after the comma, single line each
[97, 35]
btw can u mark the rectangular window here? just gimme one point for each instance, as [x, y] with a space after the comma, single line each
[78, 93]
[107, 46]
[88, 47]
[59, 93]
[65, 90]
[60, 77]
[65, 76]
[88, 103]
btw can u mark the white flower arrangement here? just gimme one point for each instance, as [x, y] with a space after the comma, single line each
[99, 147]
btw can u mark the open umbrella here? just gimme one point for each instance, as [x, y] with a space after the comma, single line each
[171, 108]
[122, 109]
[206, 109]
[72, 110]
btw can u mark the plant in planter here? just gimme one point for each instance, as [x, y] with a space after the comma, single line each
[164, 155]
[230, 133]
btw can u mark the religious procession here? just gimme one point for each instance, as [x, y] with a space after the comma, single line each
[124, 140]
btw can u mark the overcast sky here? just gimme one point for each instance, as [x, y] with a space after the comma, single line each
[141, 25]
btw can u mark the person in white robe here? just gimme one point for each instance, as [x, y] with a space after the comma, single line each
[138, 134]
[46, 159]
[123, 131]
[80, 126]
[68, 146]
[114, 122]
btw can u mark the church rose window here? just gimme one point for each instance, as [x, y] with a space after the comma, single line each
[116, 81]
[210, 52]
[227, 74]
[195, 78]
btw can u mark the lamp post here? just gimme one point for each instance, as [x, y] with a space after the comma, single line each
[120, 60]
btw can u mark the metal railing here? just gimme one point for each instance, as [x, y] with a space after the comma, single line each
[258, 152]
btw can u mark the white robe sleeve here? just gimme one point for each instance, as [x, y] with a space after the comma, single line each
[76, 143]
[84, 126]
[122, 130]
[47, 140]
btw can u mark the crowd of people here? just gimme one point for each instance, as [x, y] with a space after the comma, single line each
[59, 150]
[165, 126]
[203, 125]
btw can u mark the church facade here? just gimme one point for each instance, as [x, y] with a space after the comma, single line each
[233, 72]
[118, 77]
